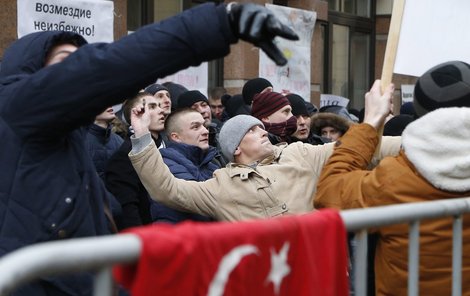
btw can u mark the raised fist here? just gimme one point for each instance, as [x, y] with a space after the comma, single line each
[258, 25]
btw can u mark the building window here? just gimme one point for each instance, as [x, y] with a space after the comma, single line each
[350, 49]
[143, 12]
[355, 7]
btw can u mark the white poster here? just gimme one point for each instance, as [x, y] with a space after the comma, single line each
[93, 19]
[295, 76]
[432, 32]
[193, 78]
[407, 91]
[333, 100]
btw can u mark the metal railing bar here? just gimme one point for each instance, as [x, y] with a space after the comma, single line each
[457, 256]
[413, 259]
[41, 260]
[358, 219]
[360, 263]
[103, 282]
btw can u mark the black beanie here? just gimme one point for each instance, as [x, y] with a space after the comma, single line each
[234, 105]
[298, 105]
[445, 85]
[396, 125]
[187, 99]
[154, 88]
[175, 90]
[253, 87]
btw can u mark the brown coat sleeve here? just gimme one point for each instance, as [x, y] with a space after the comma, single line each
[340, 184]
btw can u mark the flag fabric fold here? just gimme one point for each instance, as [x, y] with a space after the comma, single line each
[294, 255]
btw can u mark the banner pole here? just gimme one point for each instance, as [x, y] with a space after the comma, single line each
[391, 53]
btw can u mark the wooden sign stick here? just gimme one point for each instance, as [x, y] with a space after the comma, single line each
[391, 52]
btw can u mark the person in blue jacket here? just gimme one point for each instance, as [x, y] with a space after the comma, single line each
[52, 84]
[188, 156]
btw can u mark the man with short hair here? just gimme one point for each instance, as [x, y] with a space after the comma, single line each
[120, 177]
[188, 156]
[258, 183]
[215, 102]
[194, 99]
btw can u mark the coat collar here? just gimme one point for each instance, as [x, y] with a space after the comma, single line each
[244, 170]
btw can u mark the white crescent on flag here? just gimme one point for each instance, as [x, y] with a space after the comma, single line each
[227, 264]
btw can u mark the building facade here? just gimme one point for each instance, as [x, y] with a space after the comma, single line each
[347, 51]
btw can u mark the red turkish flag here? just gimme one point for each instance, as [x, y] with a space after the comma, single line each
[294, 255]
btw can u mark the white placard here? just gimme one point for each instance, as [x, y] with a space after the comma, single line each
[93, 19]
[295, 76]
[407, 91]
[333, 100]
[193, 78]
[432, 32]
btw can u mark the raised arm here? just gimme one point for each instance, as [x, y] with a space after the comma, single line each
[56, 99]
[192, 196]
[342, 178]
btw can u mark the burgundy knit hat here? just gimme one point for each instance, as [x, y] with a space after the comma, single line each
[267, 103]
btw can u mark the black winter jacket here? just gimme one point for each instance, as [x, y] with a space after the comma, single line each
[49, 189]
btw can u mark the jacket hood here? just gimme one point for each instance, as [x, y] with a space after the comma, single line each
[321, 120]
[28, 54]
[437, 144]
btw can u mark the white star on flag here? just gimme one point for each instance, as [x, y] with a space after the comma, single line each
[279, 267]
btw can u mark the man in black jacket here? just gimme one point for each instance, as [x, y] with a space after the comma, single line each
[120, 177]
[53, 83]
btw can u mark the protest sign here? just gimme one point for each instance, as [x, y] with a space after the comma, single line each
[93, 19]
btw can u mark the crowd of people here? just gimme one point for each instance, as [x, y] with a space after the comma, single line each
[73, 167]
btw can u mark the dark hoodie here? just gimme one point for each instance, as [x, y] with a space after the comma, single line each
[49, 189]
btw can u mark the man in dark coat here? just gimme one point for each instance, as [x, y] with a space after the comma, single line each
[120, 177]
[53, 83]
[102, 141]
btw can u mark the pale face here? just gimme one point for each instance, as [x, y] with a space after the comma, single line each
[192, 131]
[280, 115]
[216, 107]
[303, 127]
[163, 97]
[157, 115]
[330, 133]
[255, 146]
[205, 110]
[59, 53]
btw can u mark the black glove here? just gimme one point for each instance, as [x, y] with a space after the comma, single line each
[258, 25]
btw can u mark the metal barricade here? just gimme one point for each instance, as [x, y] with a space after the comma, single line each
[101, 253]
[359, 220]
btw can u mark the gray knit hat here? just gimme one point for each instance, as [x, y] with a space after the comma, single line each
[233, 131]
[445, 85]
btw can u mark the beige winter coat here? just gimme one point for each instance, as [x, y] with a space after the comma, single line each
[284, 183]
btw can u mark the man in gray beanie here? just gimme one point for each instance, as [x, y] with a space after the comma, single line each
[233, 132]
[262, 181]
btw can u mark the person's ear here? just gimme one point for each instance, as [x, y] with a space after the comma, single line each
[175, 137]
[237, 151]
[265, 119]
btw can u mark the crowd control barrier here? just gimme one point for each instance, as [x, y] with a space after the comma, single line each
[101, 253]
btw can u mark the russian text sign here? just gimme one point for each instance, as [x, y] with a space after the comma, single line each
[93, 19]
